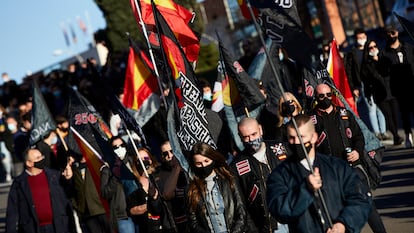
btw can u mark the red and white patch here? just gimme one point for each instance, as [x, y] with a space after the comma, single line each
[313, 119]
[253, 193]
[243, 167]
[348, 132]
[372, 154]
[321, 138]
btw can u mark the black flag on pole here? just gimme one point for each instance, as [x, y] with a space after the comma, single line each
[42, 120]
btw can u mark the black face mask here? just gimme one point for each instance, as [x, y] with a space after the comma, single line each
[324, 103]
[147, 165]
[203, 172]
[297, 150]
[391, 39]
[167, 165]
[40, 164]
[81, 165]
[287, 109]
[64, 130]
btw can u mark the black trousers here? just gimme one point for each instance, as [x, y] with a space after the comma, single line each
[390, 109]
[374, 218]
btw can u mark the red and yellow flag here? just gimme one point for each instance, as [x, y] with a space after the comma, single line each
[336, 69]
[177, 18]
[140, 82]
[94, 163]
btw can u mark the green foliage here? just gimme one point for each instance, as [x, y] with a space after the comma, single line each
[208, 58]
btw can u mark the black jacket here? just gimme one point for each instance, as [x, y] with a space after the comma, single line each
[113, 191]
[252, 176]
[329, 127]
[235, 211]
[21, 214]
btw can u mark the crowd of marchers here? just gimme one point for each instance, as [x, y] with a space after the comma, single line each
[301, 168]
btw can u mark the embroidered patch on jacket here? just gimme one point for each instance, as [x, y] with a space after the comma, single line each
[279, 150]
[348, 132]
[372, 154]
[253, 193]
[343, 112]
[321, 138]
[243, 167]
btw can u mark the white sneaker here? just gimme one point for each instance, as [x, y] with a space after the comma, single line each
[408, 140]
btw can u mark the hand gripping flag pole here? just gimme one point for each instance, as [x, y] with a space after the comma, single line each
[317, 193]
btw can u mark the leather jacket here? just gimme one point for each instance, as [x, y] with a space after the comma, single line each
[235, 211]
[252, 176]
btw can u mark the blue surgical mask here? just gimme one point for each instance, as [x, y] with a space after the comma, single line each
[54, 140]
[12, 127]
[207, 96]
[281, 56]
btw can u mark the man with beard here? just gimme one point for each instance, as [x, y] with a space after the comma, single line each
[173, 183]
[251, 168]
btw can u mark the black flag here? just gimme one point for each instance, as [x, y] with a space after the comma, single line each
[247, 87]
[282, 25]
[406, 25]
[42, 119]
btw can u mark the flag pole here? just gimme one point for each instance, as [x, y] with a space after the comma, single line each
[410, 34]
[318, 193]
[136, 151]
[87, 144]
[144, 31]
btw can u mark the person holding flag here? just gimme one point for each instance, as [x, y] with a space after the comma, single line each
[291, 187]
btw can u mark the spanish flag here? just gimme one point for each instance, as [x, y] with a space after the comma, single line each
[141, 92]
[93, 161]
[336, 70]
[177, 17]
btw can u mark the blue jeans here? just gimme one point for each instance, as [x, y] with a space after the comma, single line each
[126, 226]
[376, 117]
[282, 228]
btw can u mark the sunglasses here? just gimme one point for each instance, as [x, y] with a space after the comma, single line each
[372, 47]
[391, 33]
[321, 96]
[118, 146]
[166, 153]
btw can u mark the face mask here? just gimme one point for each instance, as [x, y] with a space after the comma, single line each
[207, 96]
[254, 145]
[147, 165]
[120, 152]
[391, 39]
[361, 42]
[81, 165]
[374, 53]
[11, 127]
[281, 56]
[287, 109]
[203, 172]
[40, 164]
[54, 141]
[297, 150]
[325, 103]
[64, 130]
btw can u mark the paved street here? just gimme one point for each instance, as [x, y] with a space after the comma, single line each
[394, 198]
